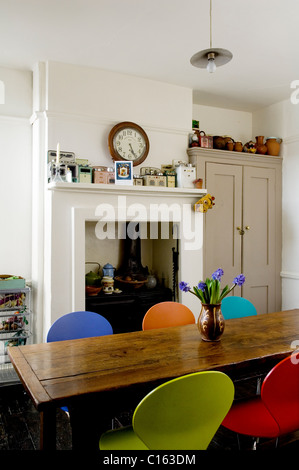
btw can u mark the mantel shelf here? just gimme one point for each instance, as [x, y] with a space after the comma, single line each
[126, 190]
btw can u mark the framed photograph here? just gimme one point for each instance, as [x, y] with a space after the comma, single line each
[123, 172]
[195, 124]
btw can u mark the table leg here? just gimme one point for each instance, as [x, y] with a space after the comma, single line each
[88, 423]
[48, 429]
[93, 416]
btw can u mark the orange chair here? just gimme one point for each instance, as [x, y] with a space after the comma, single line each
[166, 314]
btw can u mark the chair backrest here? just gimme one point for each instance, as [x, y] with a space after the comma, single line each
[184, 413]
[76, 325]
[280, 394]
[237, 307]
[166, 314]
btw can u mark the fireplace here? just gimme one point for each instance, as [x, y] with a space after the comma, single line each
[126, 306]
[75, 210]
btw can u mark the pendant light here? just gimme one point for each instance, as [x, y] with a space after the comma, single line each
[211, 58]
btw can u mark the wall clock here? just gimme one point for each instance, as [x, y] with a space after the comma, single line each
[128, 141]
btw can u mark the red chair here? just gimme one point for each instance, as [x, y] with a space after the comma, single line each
[276, 411]
[165, 314]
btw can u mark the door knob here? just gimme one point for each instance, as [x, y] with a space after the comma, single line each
[241, 231]
[247, 227]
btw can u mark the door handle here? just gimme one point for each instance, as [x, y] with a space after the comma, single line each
[241, 231]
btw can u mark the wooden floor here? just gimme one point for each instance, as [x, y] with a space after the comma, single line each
[19, 427]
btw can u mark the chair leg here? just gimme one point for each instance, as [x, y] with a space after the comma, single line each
[116, 423]
[255, 443]
[258, 386]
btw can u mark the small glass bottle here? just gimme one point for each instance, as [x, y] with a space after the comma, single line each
[57, 176]
[69, 176]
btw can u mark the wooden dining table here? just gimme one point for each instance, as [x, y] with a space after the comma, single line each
[100, 376]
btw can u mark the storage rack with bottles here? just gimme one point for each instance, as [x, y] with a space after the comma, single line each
[15, 327]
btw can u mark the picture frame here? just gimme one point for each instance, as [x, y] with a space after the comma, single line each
[123, 172]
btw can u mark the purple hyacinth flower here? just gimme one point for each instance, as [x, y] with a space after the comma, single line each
[217, 275]
[239, 280]
[184, 286]
[202, 286]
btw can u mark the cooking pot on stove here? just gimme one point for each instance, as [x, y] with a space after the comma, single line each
[108, 270]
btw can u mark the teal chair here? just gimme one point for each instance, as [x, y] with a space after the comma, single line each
[237, 307]
[183, 413]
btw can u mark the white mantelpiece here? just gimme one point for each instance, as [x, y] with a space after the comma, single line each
[70, 205]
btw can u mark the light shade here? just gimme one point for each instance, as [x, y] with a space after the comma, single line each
[221, 57]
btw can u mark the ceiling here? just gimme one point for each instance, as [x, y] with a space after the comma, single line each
[156, 39]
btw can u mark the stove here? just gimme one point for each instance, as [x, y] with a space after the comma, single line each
[125, 311]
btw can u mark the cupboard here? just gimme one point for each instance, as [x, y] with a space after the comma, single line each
[242, 233]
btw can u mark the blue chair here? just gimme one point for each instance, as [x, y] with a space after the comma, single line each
[77, 325]
[237, 307]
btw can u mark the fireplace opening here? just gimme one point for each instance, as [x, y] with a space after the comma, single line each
[139, 254]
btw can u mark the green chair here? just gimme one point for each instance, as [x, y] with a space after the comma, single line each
[183, 413]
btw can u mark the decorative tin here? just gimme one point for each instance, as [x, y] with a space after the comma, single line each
[170, 178]
[103, 175]
[154, 180]
[85, 174]
[205, 141]
[138, 180]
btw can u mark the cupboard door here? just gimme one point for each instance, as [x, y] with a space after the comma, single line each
[222, 248]
[259, 265]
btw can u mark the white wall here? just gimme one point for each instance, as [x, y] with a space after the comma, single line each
[281, 120]
[220, 121]
[15, 173]
[83, 104]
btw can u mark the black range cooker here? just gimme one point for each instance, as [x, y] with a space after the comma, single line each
[125, 311]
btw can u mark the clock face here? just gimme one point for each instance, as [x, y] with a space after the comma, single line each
[128, 141]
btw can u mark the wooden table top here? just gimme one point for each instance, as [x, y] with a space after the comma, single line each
[53, 372]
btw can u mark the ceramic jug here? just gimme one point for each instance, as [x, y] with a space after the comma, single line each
[108, 270]
[273, 146]
[108, 284]
[238, 146]
[261, 148]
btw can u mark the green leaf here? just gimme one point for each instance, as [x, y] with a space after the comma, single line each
[226, 291]
[200, 294]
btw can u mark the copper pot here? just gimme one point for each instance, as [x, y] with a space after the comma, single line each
[238, 146]
[218, 142]
[230, 145]
[273, 146]
[261, 148]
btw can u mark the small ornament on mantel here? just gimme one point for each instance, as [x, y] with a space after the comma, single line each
[57, 176]
[205, 203]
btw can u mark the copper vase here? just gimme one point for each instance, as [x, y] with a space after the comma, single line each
[211, 322]
[261, 148]
[273, 146]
